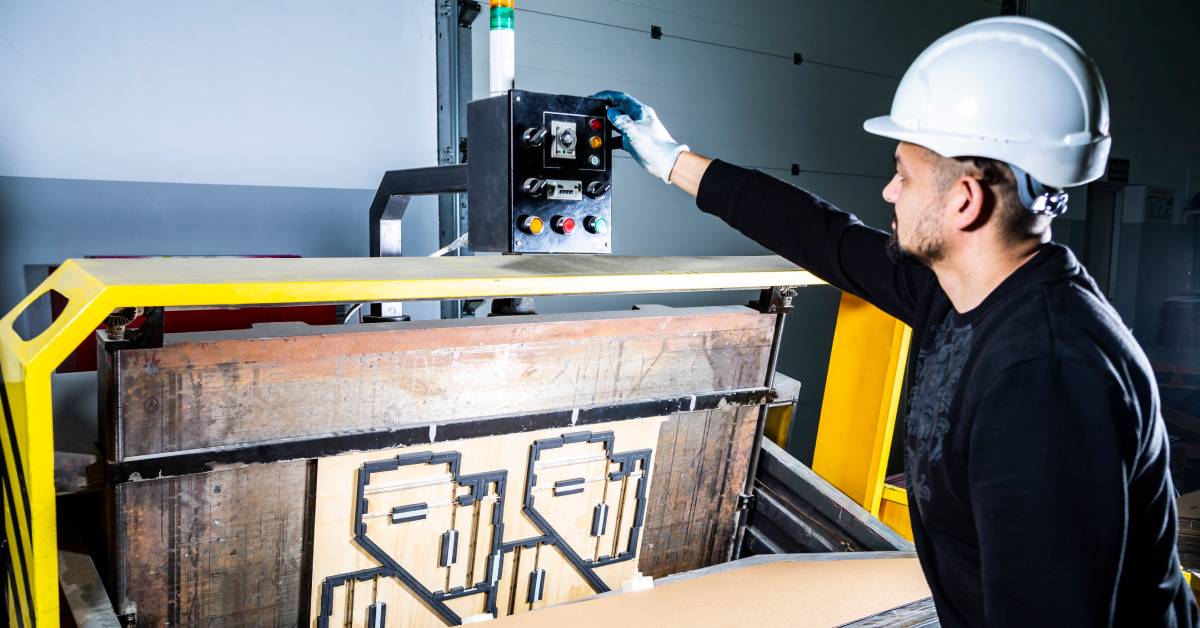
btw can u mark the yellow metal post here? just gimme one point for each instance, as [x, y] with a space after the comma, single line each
[94, 288]
[862, 392]
[893, 510]
[779, 424]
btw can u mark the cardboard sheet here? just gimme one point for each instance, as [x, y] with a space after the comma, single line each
[780, 593]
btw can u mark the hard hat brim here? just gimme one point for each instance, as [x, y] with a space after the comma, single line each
[885, 126]
[1059, 166]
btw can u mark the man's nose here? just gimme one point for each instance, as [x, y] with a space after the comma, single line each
[891, 191]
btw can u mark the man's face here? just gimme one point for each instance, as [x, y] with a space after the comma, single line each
[917, 196]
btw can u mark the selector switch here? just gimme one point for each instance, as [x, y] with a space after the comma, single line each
[534, 186]
[564, 139]
[534, 136]
[596, 189]
[563, 225]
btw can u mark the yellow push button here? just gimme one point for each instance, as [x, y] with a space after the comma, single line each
[532, 225]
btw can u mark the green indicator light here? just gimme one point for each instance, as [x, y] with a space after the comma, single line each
[596, 224]
[501, 18]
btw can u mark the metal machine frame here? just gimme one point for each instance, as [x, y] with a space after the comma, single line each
[95, 288]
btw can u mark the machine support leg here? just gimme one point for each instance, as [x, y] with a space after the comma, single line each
[779, 301]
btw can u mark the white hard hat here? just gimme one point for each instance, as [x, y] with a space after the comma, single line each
[1012, 89]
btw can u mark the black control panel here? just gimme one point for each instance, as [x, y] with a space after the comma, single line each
[540, 175]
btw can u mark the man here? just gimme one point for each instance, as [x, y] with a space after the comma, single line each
[1035, 452]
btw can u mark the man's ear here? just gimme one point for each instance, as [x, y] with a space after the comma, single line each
[970, 205]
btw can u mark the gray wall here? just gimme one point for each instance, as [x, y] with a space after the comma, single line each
[1151, 65]
[148, 128]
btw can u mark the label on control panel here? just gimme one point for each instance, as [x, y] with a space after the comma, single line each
[557, 190]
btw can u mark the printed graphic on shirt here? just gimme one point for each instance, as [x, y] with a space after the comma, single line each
[938, 369]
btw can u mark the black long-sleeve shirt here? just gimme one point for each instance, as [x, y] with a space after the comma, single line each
[1035, 452]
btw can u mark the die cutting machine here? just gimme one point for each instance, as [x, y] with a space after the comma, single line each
[436, 473]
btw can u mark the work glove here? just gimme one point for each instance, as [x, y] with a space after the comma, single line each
[642, 135]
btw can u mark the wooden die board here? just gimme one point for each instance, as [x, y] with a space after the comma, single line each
[288, 381]
[202, 391]
[702, 460]
[416, 545]
[216, 548]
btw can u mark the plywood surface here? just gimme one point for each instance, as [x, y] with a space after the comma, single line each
[561, 274]
[783, 593]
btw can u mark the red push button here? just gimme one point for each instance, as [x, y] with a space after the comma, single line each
[596, 124]
[563, 225]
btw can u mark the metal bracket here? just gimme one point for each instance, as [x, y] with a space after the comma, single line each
[518, 306]
[468, 10]
[775, 300]
[129, 617]
[148, 336]
[746, 502]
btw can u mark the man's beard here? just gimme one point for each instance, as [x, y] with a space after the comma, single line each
[924, 253]
[898, 254]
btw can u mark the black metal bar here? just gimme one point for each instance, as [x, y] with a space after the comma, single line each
[385, 218]
[396, 189]
[735, 551]
[415, 181]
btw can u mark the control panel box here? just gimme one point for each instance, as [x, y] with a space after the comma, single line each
[540, 174]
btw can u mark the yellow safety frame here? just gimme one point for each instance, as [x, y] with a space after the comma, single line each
[94, 288]
[858, 413]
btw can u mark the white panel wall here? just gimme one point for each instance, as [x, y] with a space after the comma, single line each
[305, 93]
[208, 128]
